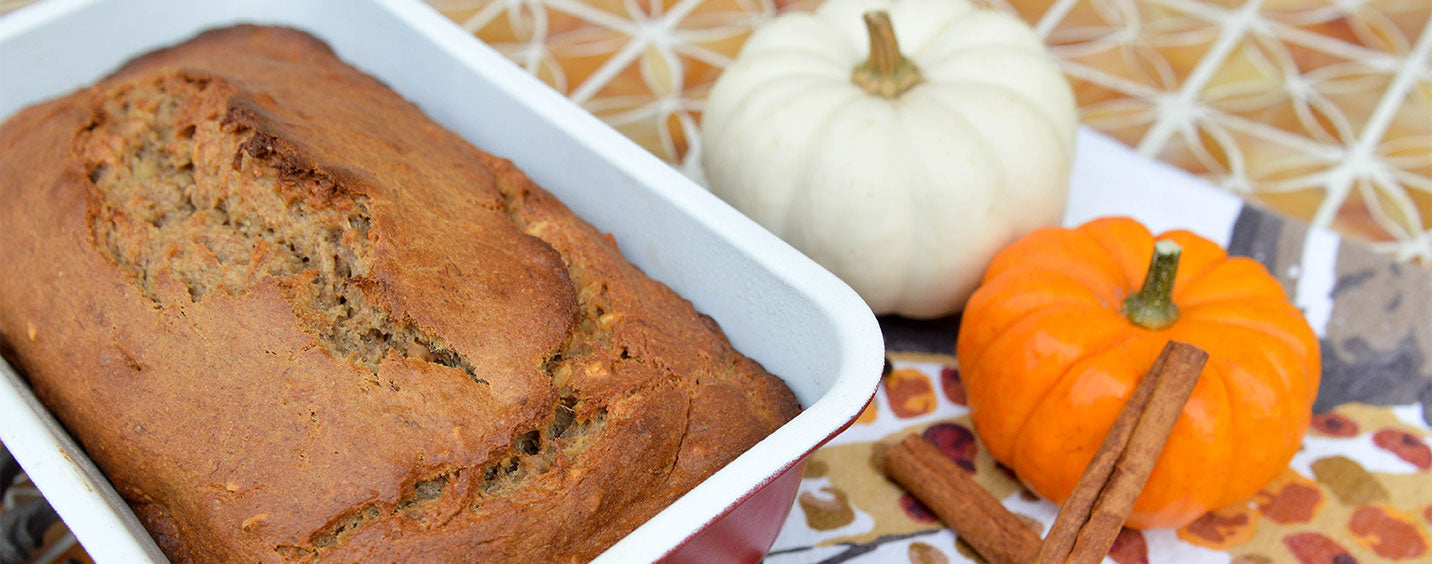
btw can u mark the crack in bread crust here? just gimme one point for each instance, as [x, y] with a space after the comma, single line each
[533, 453]
[188, 191]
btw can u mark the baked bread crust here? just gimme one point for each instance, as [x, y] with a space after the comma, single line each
[291, 317]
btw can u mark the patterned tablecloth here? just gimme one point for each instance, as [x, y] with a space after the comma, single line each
[1318, 109]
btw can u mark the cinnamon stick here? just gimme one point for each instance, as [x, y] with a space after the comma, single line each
[949, 491]
[1091, 517]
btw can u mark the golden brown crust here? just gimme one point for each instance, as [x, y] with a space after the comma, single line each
[556, 398]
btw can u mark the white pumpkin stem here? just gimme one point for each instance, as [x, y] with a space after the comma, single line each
[887, 72]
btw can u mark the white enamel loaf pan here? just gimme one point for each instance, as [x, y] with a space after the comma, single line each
[775, 304]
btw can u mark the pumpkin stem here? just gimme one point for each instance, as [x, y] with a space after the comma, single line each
[1152, 307]
[887, 72]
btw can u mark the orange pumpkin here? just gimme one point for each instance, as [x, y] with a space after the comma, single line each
[1066, 323]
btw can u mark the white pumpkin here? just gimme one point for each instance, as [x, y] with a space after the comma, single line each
[900, 173]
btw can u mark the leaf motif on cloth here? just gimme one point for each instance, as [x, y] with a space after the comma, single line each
[910, 392]
[968, 551]
[916, 509]
[1387, 532]
[1130, 547]
[956, 442]
[1348, 481]
[1334, 424]
[1316, 548]
[1405, 445]
[828, 513]
[875, 501]
[922, 553]
[1290, 498]
[869, 414]
[954, 388]
[1221, 529]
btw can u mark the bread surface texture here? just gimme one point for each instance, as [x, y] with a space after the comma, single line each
[292, 318]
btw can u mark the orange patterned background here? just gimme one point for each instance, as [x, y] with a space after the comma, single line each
[1318, 109]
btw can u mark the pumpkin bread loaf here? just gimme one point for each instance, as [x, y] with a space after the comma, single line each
[291, 317]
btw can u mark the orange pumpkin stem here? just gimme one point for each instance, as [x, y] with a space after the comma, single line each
[887, 72]
[1152, 306]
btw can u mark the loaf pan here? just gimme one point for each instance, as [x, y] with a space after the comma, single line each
[776, 305]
